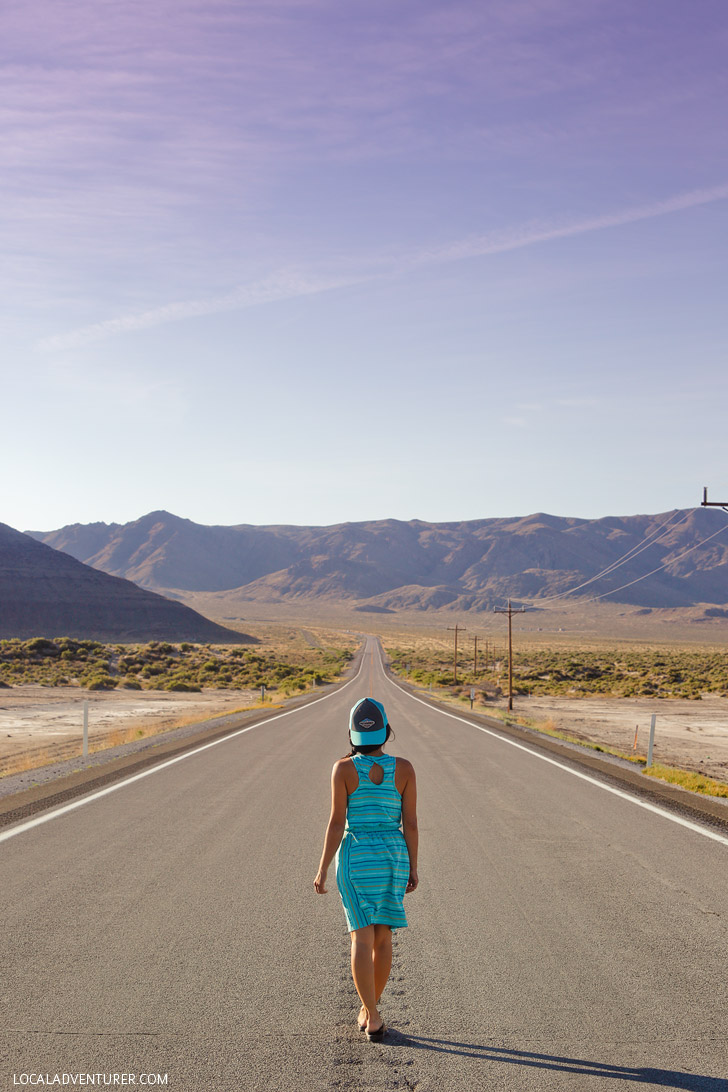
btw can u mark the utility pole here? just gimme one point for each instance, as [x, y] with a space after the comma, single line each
[510, 611]
[455, 661]
[705, 503]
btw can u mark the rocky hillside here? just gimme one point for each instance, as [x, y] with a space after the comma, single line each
[44, 592]
[391, 564]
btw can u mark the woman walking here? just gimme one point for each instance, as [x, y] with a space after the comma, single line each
[373, 832]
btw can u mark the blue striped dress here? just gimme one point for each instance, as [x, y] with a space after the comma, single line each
[372, 863]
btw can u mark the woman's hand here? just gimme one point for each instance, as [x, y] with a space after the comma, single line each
[412, 881]
[320, 882]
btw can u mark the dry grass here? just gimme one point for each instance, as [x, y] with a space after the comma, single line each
[31, 760]
[117, 737]
[695, 782]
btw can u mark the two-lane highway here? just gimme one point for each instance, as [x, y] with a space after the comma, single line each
[562, 937]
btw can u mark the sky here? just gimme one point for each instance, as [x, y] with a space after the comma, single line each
[310, 262]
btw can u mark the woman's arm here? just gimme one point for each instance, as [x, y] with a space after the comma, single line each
[335, 828]
[409, 823]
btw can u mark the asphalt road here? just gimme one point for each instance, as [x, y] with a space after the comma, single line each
[562, 937]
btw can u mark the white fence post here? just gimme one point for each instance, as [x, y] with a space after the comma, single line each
[652, 739]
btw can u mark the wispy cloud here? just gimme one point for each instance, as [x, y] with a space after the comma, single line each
[529, 235]
[291, 284]
[283, 286]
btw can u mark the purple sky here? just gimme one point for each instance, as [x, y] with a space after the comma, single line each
[315, 261]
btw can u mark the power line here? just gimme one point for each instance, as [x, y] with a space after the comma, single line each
[633, 552]
[660, 567]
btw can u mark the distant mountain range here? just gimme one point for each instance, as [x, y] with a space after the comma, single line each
[46, 593]
[390, 565]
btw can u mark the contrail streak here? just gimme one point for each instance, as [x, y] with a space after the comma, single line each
[291, 285]
[477, 246]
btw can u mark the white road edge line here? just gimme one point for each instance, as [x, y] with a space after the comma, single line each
[65, 808]
[705, 831]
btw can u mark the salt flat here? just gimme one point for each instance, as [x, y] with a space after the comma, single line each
[691, 734]
[36, 716]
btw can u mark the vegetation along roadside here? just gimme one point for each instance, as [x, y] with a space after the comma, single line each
[158, 665]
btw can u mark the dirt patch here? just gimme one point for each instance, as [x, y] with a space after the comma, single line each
[689, 734]
[33, 717]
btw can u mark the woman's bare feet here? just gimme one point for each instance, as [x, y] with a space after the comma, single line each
[371, 1023]
[374, 1023]
[376, 1029]
[363, 1017]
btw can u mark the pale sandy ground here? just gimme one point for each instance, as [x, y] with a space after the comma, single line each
[690, 734]
[39, 716]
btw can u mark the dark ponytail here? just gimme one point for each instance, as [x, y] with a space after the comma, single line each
[367, 748]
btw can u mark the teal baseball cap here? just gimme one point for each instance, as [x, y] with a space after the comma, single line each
[368, 723]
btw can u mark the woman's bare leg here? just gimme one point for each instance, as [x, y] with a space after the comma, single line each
[382, 958]
[362, 971]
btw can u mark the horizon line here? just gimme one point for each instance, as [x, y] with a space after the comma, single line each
[378, 519]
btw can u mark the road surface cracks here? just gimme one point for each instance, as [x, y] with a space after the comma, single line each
[376, 1067]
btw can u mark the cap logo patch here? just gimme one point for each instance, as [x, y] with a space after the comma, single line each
[366, 724]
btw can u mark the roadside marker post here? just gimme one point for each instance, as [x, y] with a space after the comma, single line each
[262, 693]
[85, 729]
[636, 730]
[472, 696]
[652, 739]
